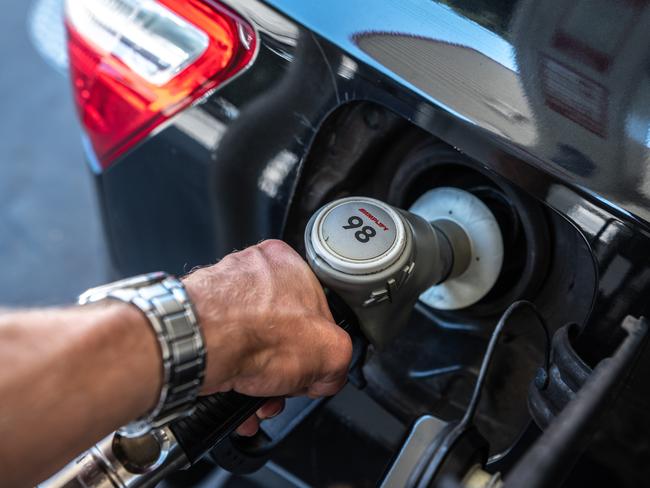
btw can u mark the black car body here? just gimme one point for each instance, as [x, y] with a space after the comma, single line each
[541, 108]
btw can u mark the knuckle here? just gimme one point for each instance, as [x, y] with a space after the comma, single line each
[281, 253]
[336, 357]
[325, 388]
[273, 246]
[343, 346]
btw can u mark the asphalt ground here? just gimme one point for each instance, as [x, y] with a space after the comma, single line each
[51, 243]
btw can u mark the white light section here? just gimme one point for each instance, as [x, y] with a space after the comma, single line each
[152, 41]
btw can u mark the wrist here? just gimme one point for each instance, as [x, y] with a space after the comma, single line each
[225, 341]
[145, 345]
[138, 354]
[163, 300]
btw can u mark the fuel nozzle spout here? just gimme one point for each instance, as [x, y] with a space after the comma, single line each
[380, 259]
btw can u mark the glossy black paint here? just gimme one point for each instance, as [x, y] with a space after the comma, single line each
[530, 89]
[431, 367]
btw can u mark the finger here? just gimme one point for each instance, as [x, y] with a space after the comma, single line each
[299, 393]
[326, 388]
[270, 409]
[249, 427]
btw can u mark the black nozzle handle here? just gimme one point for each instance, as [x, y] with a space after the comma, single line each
[216, 416]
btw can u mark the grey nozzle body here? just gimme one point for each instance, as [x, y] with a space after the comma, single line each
[378, 259]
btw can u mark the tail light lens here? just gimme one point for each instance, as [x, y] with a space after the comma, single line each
[135, 63]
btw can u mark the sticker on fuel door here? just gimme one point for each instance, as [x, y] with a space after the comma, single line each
[358, 231]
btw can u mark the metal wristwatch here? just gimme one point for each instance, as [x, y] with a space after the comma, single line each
[164, 301]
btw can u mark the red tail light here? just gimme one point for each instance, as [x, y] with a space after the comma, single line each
[135, 63]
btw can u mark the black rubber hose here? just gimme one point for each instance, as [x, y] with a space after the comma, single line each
[551, 458]
[445, 446]
[487, 358]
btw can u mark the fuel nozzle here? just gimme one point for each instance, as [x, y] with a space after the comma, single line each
[379, 259]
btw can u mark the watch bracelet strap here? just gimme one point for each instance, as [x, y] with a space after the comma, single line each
[165, 303]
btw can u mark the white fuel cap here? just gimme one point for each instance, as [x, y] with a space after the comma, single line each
[358, 235]
[482, 229]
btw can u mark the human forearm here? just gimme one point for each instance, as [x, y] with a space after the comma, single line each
[70, 377]
[67, 378]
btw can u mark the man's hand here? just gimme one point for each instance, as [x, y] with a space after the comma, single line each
[268, 328]
[69, 377]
